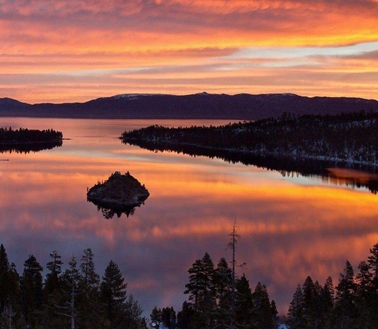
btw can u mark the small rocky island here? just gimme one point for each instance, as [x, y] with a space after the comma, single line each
[119, 194]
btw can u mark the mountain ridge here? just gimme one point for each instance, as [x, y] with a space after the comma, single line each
[193, 106]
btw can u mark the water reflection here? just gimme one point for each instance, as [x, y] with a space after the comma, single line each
[109, 213]
[29, 147]
[353, 178]
[288, 229]
[334, 172]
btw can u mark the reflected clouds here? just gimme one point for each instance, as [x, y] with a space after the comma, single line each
[288, 230]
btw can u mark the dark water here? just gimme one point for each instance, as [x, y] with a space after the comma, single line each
[291, 226]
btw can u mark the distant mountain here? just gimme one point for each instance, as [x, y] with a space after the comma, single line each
[196, 106]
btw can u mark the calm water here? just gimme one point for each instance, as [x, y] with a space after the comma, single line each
[290, 226]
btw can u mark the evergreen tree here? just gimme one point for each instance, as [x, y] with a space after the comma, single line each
[345, 309]
[201, 290]
[156, 316]
[67, 307]
[195, 285]
[274, 312]
[262, 309]
[133, 314]
[328, 302]
[168, 317]
[364, 298]
[244, 305]
[89, 307]
[32, 291]
[52, 294]
[89, 278]
[4, 277]
[208, 292]
[186, 318]
[52, 281]
[9, 290]
[373, 267]
[295, 316]
[311, 303]
[222, 281]
[113, 295]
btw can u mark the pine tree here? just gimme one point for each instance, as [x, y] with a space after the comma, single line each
[89, 278]
[345, 309]
[32, 290]
[4, 271]
[273, 308]
[52, 294]
[295, 316]
[222, 280]
[365, 296]
[201, 290]
[328, 302]
[186, 318]
[52, 281]
[243, 306]
[9, 289]
[195, 285]
[113, 295]
[373, 265]
[311, 303]
[68, 305]
[208, 305]
[168, 317]
[89, 282]
[262, 309]
[373, 292]
[156, 316]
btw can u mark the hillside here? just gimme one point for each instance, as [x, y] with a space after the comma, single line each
[196, 106]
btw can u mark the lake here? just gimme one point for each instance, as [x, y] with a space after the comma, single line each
[291, 226]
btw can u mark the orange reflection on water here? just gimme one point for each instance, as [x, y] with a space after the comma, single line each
[288, 229]
[349, 176]
[292, 208]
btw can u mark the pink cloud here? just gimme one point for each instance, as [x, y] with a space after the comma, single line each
[78, 50]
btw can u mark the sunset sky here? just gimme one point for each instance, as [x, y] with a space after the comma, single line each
[65, 51]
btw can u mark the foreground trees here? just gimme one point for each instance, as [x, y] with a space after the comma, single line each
[75, 299]
[353, 303]
[215, 301]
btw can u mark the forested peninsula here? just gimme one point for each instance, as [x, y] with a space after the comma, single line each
[26, 140]
[345, 138]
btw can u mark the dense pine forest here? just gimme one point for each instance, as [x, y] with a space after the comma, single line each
[345, 138]
[353, 303]
[74, 298]
[24, 140]
[217, 298]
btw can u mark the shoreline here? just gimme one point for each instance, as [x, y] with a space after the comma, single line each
[301, 157]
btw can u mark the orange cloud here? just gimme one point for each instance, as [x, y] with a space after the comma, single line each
[65, 51]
